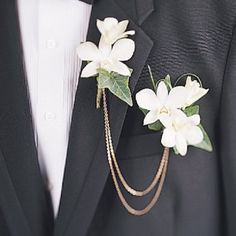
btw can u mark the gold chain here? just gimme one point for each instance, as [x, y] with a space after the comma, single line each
[160, 174]
[132, 191]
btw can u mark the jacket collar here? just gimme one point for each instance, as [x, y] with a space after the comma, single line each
[86, 167]
[143, 10]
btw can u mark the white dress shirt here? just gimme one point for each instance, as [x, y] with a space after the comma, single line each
[51, 31]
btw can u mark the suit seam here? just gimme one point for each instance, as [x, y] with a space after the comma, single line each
[221, 178]
[227, 60]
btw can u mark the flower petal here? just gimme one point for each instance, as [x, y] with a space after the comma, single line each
[100, 26]
[179, 116]
[181, 144]
[114, 31]
[162, 92]
[147, 99]
[130, 32]
[119, 67]
[177, 97]
[168, 138]
[104, 47]
[123, 50]
[195, 91]
[90, 69]
[188, 81]
[106, 25]
[166, 119]
[195, 119]
[110, 22]
[151, 117]
[194, 135]
[88, 51]
[197, 95]
[117, 31]
[126, 34]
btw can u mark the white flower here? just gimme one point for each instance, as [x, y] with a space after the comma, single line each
[182, 131]
[114, 48]
[161, 104]
[195, 92]
[106, 57]
[112, 30]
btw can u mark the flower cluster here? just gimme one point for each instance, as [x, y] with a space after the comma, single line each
[114, 49]
[170, 106]
[167, 108]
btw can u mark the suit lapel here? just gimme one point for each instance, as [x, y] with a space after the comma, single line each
[86, 167]
[10, 206]
[22, 171]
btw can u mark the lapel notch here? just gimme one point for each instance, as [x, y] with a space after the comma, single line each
[144, 9]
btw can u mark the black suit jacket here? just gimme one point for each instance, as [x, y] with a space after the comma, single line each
[199, 195]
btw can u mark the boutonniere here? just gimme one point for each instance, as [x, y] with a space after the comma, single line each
[168, 109]
[106, 61]
[173, 111]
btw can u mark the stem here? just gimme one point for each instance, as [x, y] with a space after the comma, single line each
[98, 98]
[151, 76]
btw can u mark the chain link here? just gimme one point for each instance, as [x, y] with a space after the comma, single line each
[159, 177]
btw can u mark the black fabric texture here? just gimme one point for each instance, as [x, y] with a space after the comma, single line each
[199, 194]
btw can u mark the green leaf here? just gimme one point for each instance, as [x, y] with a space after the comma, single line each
[117, 84]
[206, 143]
[157, 126]
[144, 111]
[167, 81]
[103, 72]
[192, 110]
